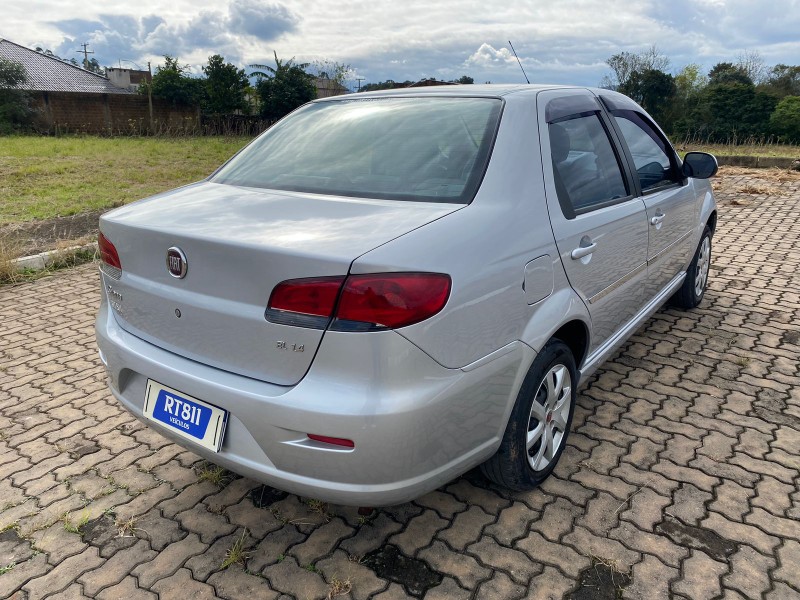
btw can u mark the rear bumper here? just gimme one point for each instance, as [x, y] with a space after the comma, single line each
[415, 424]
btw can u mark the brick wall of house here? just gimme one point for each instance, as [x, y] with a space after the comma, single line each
[110, 114]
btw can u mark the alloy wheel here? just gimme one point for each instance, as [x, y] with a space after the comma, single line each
[703, 264]
[547, 423]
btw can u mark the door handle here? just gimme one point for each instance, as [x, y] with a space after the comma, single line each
[656, 220]
[583, 251]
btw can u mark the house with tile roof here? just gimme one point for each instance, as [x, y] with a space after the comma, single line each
[68, 98]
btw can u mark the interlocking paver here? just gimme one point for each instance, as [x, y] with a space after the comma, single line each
[168, 560]
[651, 579]
[233, 583]
[461, 566]
[321, 541]
[340, 568]
[298, 580]
[500, 557]
[415, 535]
[681, 468]
[750, 572]
[63, 574]
[181, 585]
[114, 570]
[700, 577]
[126, 590]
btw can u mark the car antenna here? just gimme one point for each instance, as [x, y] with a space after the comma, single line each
[518, 60]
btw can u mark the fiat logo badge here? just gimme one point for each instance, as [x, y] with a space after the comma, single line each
[176, 262]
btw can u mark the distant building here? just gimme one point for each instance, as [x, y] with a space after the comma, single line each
[69, 98]
[328, 87]
[128, 79]
[50, 74]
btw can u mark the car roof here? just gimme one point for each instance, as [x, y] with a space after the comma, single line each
[487, 90]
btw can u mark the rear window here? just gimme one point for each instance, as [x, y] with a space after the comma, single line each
[419, 149]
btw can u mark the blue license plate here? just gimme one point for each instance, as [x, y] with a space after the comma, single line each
[182, 413]
[189, 417]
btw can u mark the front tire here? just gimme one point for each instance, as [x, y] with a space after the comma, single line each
[537, 429]
[691, 293]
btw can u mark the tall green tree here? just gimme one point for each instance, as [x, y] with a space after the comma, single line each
[283, 88]
[225, 87]
[785, 119]
[172, 82]
[15, 110]
[654, 90]
[95, 67]
[689, 81]
[731, 112]
[784, 80]
[727, 72]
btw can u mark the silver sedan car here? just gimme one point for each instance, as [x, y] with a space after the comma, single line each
[387, 289]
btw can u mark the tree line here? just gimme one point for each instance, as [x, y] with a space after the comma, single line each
[734, 102]
[225, 89]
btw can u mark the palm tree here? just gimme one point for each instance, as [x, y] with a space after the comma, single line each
[280, 67]
[282, 88]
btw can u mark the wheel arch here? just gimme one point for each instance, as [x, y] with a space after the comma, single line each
[562, 315]
[711, 222]
[575, 334]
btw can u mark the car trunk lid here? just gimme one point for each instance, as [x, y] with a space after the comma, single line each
[239, 243]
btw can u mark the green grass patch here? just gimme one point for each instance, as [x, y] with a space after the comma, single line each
[45, 177]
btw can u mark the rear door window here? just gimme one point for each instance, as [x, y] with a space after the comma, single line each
[587, 169]
[431, 149]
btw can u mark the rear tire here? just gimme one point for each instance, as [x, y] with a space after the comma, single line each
[537, 429]
[693, 289]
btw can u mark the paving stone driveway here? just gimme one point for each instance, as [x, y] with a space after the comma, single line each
[680, 479]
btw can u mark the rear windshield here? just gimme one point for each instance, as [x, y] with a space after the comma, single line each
[421, 149]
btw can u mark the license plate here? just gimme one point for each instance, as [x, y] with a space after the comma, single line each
[189, 417]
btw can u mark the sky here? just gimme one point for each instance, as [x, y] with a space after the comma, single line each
[558, 41]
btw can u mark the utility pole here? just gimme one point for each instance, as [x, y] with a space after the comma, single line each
[359, 80]
[86, 52]
[150, 96]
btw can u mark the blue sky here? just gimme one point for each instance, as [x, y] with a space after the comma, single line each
[563, 41]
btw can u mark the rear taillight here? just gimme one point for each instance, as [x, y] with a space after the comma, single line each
[390, 300]
[365, 302]
[304, 302]
[109, 257]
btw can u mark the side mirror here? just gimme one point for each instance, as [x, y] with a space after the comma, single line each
[700, 165]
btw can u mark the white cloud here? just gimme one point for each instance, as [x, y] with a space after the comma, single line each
[559, 42]
[488, 56]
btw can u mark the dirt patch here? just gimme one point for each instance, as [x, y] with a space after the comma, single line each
[264, 496]
[601, 581]
[13, 549]
[699, 538]
[51, 234]
[414, 575]
[791, 337]
[740, 185]
[104, 534]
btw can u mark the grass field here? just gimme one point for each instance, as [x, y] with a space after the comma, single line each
[768, 149]
[45, 177]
